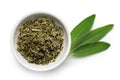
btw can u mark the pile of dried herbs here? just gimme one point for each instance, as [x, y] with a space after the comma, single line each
[40, 40]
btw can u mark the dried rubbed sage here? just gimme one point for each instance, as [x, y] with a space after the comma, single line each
[40, 40]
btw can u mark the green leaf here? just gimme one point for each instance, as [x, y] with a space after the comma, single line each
[90, 49]
[82, 27]
[91, 37]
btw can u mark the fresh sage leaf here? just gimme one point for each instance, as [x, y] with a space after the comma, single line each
[90, 49]
[91, 37]
[82, 27]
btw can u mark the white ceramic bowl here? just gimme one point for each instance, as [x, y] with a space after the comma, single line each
[62, 56]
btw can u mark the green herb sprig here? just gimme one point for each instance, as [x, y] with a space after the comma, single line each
[86, 41]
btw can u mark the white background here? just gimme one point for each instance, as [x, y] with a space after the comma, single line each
[102, 66]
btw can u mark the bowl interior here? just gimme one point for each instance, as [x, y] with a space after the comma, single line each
[61, 57]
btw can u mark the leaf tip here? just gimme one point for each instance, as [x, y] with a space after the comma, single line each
[107, 44]
[93, 16]
[111, 25]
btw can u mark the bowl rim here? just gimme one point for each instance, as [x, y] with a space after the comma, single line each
[14, 31]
